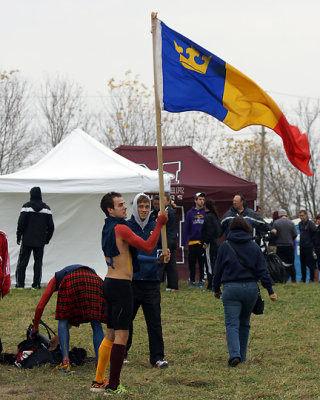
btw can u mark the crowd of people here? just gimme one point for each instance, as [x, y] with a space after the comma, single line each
[224, 249]
[283, 243]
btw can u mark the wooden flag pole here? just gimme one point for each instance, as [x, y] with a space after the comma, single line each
[159, 137]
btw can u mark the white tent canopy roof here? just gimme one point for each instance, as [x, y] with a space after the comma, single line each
[80, 164]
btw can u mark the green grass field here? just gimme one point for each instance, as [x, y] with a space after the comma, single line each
[283, 354]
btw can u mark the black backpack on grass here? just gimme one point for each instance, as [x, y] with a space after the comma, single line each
[34, 351]
[276, 268]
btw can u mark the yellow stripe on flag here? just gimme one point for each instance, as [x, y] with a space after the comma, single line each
[247, 103]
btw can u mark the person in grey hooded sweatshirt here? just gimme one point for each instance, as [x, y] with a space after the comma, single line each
[146, 282]
[34, 231]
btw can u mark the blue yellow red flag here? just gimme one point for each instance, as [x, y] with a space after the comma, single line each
[190, 78]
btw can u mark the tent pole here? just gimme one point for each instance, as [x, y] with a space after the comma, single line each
[159, 137]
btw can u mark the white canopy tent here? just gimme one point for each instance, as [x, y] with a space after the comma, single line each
[73, 177]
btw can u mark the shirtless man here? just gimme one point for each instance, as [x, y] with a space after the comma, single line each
[118, 244]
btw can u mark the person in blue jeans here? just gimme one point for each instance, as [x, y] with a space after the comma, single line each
[238, 268]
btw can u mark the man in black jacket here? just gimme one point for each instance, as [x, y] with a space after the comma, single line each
[240, 208]
[155, 208]
[169, 270]
[35, 229]
[211, 231]
[307, 231]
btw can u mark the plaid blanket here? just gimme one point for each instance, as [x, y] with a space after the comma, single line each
[80, 298]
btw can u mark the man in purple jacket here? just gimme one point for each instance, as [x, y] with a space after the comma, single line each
[192, 231]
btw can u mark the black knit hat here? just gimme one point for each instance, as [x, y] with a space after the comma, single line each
[35, 193]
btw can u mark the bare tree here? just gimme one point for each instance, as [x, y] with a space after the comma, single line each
[281, 190]
[15, 139]
[64, 109]
[239, 155]
[308, 113]
[243, 156]
[129, 118]
[192, 128]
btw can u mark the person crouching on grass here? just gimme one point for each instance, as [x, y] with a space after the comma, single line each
[119, 245]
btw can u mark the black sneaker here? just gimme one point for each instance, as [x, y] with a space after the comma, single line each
[19, 287]
[234, 361]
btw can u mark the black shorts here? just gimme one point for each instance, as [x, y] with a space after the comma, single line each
[119, 307]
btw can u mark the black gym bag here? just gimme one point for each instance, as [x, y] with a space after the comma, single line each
[276, 268]
[34, 351]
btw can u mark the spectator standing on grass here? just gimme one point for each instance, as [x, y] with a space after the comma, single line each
[146, 283]
[211, 231]
[259, 233]
[35, 229]
[317, 248]
[272, 244]
[192, 235]
[5, 277]
[169, 270]
[286, 233]
[240, 265]
[307, 232]
[239, 207]
[155, 207]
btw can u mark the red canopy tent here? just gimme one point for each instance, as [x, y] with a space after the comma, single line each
[192, 173]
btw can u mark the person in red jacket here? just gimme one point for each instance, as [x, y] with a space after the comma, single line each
[5, 279]
[79, 300]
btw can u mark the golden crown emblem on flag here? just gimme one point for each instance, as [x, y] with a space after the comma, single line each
[190, 62]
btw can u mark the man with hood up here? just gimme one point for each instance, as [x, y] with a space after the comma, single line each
[146, 282]
[35, 229]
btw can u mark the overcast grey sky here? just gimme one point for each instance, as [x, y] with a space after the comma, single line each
[275, 42]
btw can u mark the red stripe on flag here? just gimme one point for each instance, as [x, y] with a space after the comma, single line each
[295, 144]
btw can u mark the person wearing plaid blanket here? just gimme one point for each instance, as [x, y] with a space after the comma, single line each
[80, 300]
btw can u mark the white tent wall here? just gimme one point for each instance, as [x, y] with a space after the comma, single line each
[73, 177]
[78, 223]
